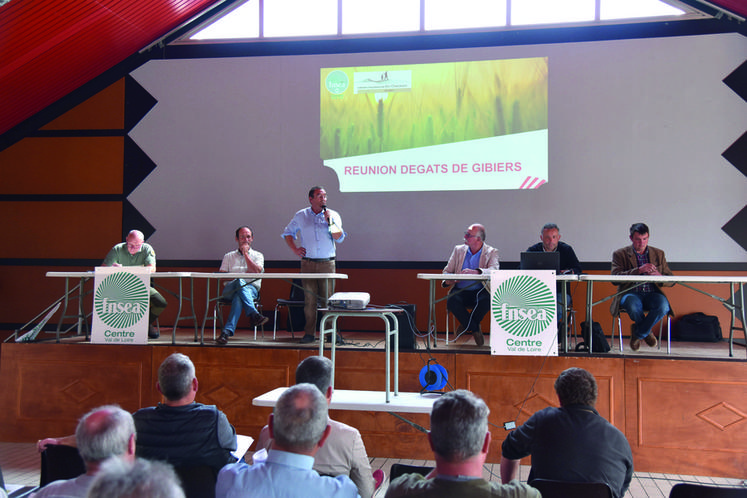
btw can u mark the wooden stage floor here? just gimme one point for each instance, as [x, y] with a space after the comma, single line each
[368, 340]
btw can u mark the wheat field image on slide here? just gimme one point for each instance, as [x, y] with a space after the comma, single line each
[448, 102]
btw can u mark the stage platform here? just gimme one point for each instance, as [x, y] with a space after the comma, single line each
[684, 413]
[368, 340]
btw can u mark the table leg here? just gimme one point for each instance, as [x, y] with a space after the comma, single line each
[178, 313]
[207, 309]
[565, 317]
[432, 314]
[589, 305]
[332, 317]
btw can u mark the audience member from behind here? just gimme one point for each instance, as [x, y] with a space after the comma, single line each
[460, 439]
[571, 443]
[180, 430]
[102, 433]
[298, 428]
[343, 452]
[474, 257]
[640, 259]
[135, 252]
[140, 479]
[241, 293]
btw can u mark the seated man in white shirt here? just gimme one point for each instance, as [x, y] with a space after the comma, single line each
[242, 293]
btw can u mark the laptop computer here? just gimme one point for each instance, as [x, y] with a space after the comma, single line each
[540, 261]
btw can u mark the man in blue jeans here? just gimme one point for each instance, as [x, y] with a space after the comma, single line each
[241, 293]
[641, 259]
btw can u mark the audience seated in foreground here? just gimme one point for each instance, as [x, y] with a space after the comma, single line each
[179, 430]
[571, 443]
[460, 439]
[103, 433]
[298, 428]
[139, 479]
[343, 452]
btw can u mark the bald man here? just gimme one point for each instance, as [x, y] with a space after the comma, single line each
[135, 252]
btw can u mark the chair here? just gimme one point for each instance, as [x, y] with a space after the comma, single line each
[399, 469]
[198, 481]
[661, 326]
[687, 490]
[221, 301]
[295, 300]
[60, 462]
[561, 489]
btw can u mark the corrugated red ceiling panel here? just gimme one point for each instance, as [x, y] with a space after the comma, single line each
[48, 48]
[737, 6]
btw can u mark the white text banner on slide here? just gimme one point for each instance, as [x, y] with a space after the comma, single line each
[121, 299]
[523, 313]
[499, 163]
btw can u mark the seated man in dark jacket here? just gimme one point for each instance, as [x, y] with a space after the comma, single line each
[572, 443]
[179, 430]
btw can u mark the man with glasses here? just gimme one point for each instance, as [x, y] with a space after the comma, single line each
[474, 257]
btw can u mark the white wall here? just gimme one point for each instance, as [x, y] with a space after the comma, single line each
[636, 128]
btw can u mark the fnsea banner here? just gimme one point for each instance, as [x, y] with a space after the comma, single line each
[121, 299]
[523, 309]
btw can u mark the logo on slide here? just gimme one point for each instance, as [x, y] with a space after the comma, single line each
[121, 300]
[337, 82]
[523, 306]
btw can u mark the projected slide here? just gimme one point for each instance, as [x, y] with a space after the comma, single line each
[479, 125]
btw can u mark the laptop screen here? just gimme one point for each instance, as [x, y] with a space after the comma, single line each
[540, 261]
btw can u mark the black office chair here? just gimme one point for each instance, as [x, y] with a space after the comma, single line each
[688, 490]
[294, 303]
[561, 489]
[399, 469]
[60, 462]
[198, 481]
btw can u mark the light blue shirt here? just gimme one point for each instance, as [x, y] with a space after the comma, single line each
[471, 262]
[313, 233]
[282, 475]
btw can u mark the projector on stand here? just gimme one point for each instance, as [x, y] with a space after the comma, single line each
[349, 300]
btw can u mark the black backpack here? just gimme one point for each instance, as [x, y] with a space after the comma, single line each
[599, 343]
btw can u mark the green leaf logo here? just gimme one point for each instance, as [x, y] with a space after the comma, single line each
[523, 306]
[337, 82]
[121, 300]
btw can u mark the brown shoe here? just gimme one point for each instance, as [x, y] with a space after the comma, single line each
[651, 340]
[259, 320]
[635, 343]
[222, 339]
[479, 338]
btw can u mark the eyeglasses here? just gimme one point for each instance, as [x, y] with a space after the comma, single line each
[468, 235]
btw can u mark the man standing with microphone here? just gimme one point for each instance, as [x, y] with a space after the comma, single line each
[317, 230]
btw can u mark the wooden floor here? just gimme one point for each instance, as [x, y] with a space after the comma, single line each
[20, 467]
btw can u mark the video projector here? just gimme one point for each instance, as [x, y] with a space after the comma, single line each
[349, 300]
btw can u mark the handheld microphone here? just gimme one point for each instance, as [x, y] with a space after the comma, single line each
[324, 210]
